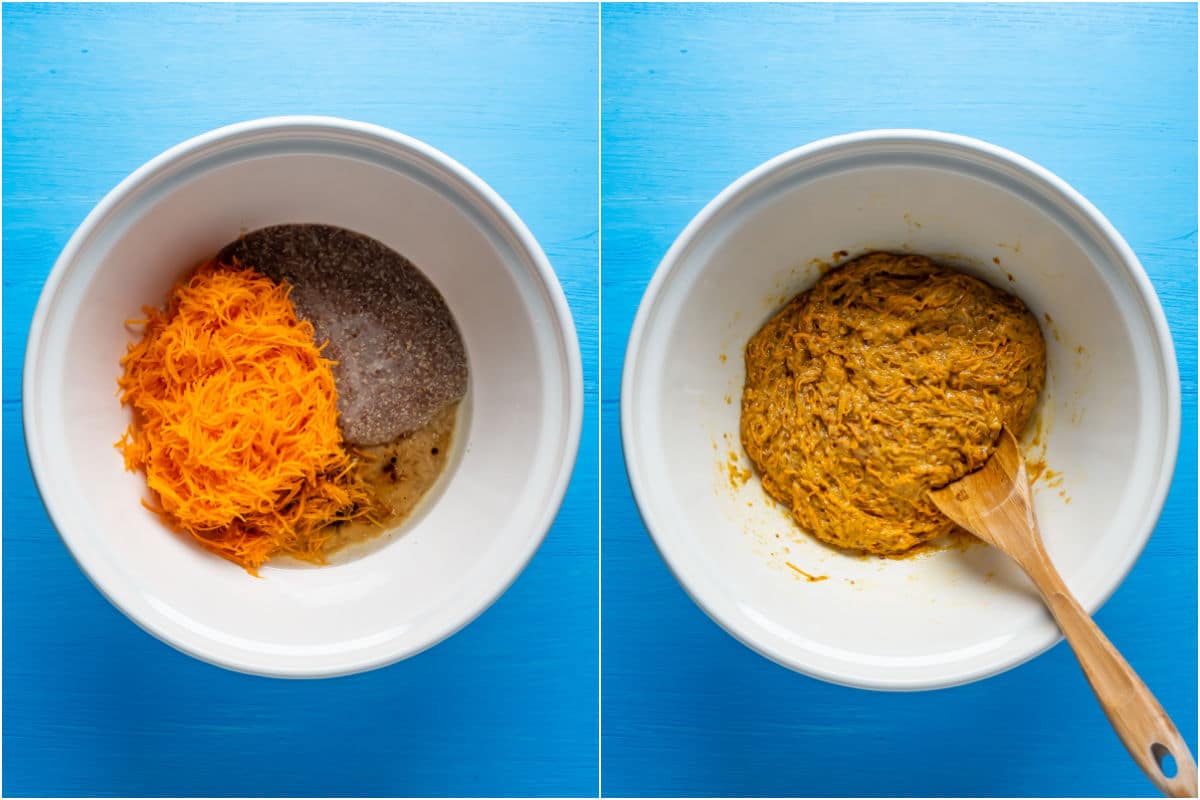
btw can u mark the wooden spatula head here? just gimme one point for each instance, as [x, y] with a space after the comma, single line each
[994, 501]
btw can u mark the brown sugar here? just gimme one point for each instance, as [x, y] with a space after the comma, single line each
[400, 358]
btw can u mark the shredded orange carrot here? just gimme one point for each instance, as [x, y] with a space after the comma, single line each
[235, 420]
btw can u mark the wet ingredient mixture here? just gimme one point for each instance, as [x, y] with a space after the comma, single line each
[298, 394]
[891, 376]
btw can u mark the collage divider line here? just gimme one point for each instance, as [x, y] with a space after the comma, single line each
[599, 399]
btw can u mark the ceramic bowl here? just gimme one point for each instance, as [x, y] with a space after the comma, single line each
[1108, 418]
[516, 438]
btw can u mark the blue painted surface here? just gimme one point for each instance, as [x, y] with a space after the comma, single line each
[693, 96]
[92, 705]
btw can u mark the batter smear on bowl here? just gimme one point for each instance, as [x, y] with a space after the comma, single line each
[891, 376]
[298, 393]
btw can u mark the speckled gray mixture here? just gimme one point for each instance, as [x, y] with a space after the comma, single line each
[400, 356]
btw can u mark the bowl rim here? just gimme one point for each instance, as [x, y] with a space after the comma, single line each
[744, 186]
[481, 194]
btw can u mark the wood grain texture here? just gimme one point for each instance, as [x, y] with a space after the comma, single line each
[92, 705]
[692, 97]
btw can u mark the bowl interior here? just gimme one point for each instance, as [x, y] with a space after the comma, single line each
[954, 615]
[513, 445]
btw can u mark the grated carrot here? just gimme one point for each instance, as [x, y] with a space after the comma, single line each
[235, 420]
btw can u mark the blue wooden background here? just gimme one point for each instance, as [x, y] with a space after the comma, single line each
[92, 705]
[693, 96]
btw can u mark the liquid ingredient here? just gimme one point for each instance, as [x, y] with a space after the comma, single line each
[891, 376]
[398, 474]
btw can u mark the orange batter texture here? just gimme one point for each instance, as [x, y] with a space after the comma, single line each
[893, 375]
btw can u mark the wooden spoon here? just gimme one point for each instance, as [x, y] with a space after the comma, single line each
[994, 504]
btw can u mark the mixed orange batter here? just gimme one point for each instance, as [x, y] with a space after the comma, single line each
[891, 376]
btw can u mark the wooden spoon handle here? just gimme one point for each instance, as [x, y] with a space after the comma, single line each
[1135, 714]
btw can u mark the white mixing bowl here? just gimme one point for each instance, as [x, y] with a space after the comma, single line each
[1110, 411]
[514, 447]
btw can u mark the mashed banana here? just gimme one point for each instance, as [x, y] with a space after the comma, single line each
[891, 376]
